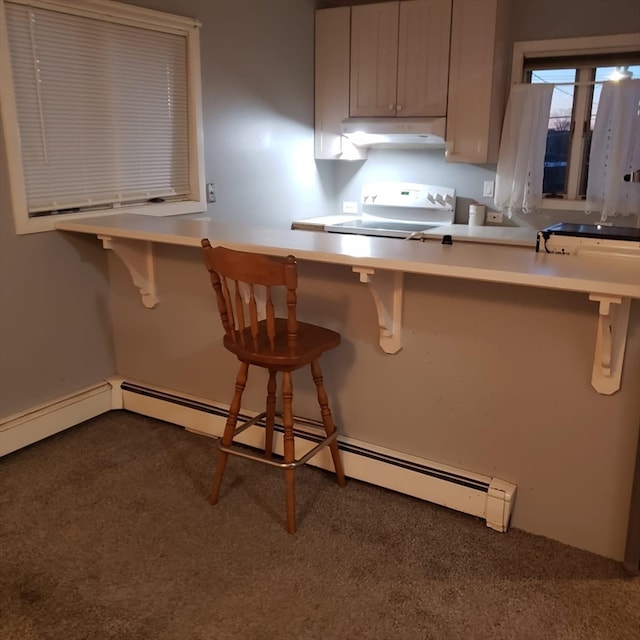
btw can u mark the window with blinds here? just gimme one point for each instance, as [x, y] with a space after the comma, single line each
[104, 109]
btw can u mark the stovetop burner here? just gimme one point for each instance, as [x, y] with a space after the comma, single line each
[384, 228]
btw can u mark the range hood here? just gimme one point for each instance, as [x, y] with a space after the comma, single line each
[395, 133]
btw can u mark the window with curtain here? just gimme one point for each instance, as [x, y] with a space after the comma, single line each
[104, 97]
[572, 118]
[594, 83]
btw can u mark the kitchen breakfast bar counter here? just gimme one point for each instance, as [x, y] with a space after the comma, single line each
[611, 281]
[381, 263]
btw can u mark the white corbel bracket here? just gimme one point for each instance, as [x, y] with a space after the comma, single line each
[387, 290]
[611, 339]
[137, 256]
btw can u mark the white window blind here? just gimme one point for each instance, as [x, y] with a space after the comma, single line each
[102, 110]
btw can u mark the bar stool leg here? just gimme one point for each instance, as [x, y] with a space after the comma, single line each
[229, 429]
[289, 450]
[271, 414]
[327, 420]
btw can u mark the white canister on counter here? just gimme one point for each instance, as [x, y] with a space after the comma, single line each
[477, 213]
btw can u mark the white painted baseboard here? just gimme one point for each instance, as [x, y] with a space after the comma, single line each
[22, 429]
[479, 495]
[476, 494]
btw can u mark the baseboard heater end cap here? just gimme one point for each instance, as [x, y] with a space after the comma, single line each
[500, 499]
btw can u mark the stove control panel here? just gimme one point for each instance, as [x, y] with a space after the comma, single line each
[408, 194]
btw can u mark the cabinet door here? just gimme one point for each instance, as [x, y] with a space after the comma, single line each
[423, 57]
[331, 80]
[477, 80]
[374, 59]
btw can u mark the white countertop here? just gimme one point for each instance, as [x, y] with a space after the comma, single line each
[519, 265]
[518, 236]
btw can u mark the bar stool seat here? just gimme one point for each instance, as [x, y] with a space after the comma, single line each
[312, 342]
[246, 286]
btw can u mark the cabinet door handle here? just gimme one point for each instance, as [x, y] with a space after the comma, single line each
[390, 107]
[399, 107]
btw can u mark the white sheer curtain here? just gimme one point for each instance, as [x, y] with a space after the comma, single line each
[522, 148]
[615, 151]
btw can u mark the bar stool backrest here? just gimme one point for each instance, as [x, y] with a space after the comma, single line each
[235, 276]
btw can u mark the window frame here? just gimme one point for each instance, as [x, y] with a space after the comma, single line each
[529, 50]
[118, 12]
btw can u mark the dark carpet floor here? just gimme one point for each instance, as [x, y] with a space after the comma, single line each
[106, 532]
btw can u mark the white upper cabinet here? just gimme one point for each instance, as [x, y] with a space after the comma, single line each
[374, 59]
[332, 84]
[423, 57]
[478, 80]
[418, 59]
[400, 58]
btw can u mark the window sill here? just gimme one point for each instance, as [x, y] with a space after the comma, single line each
[559, 204]
[47, 223]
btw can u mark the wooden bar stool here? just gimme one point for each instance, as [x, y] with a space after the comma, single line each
[278, 344]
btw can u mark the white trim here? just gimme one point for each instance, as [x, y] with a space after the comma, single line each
[8, 121]
[591, 45]
[569, 47]
[117, 12]
[120, 13]
[476, 494]
[563, 204]
[25, 428]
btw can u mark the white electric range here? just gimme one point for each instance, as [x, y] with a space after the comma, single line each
[393, 210]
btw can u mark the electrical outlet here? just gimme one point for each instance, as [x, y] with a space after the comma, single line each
[487, 190]
[211, 192]
[349, 207]
[494, 216]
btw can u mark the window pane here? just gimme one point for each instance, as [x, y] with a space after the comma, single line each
[559, 132]
[102, 110]
[603, 74]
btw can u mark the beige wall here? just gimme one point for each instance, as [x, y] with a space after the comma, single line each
[492, 378]
[547, 19]
[55, 333]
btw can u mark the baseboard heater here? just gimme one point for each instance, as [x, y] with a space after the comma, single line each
[482, 496]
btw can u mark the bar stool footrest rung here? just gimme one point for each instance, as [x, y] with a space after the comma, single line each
[241, 453]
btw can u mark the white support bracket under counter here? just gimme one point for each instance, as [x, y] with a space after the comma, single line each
[387, 290]
[137, 256]
[610, 280]
[611, 339]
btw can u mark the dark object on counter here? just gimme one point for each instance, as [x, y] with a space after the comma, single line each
[278, 344]
[447, 239]
[604, 232]
[597, 231]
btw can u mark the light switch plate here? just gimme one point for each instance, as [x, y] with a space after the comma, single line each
[487, 190]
